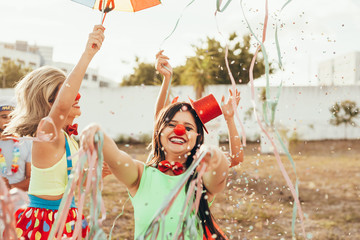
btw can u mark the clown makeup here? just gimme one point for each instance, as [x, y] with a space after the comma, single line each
[179, 135]
[75, 110]
[78, 96]
[168, 144]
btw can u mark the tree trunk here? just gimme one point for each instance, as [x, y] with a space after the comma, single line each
[3, 81]
[199, 91]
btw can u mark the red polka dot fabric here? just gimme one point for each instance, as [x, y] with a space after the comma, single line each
[35, 223]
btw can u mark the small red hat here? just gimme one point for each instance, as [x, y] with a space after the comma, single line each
[207, 108]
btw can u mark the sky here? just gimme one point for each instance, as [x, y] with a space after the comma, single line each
[309, 32]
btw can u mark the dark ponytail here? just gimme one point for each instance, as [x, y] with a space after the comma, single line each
[204, 213]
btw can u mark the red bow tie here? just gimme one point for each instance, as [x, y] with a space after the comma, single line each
[72, 129]
[177, 167]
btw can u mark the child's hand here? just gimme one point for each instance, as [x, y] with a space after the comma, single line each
[162, 65]
[95, 39]
[209, 160]
[227, 109]
[87, 137]
[106, 170]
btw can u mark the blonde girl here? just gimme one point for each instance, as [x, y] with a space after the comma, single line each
[47, 102]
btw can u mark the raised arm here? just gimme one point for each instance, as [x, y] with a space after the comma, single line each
[236, 150]
[162, 65]
[125, 169]
[68, 91]
[46, 154]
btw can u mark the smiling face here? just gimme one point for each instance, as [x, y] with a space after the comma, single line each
[179, 142]
[75, 109]
[178, 132]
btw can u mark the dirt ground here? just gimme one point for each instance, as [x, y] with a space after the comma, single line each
[257, 203]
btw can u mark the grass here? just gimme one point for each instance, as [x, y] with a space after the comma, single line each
[257, 203]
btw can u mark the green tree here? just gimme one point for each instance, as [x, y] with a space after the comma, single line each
[197, 73]
[11, 73]
[146, 74]
[344, 113]
[209, 67]
[206, 67]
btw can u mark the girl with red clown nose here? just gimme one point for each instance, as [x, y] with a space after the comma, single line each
[236, 153]
[47, 103]
[178, 136]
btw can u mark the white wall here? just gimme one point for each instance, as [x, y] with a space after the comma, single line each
[304, 110]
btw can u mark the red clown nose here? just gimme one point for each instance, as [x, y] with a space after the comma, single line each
[179, 130]
[78, 96]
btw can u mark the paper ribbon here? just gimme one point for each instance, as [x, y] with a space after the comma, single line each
[218, 5]
[93, 187]
[233, 84]
[176, 24]
[159, 216]
[294, 191]
[7, 215]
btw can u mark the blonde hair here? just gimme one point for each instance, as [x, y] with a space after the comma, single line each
[34, 95]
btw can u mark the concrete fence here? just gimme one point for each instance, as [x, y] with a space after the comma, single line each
[302, 112]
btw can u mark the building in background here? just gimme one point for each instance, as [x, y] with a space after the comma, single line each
[92, 79]
[36, 56]
[339, 71]
[20, 53]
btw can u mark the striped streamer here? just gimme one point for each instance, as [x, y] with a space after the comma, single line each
[233, 83]
[7, 213]
[93, 183]
[176, 24]
[271, 105]
[187, 217]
